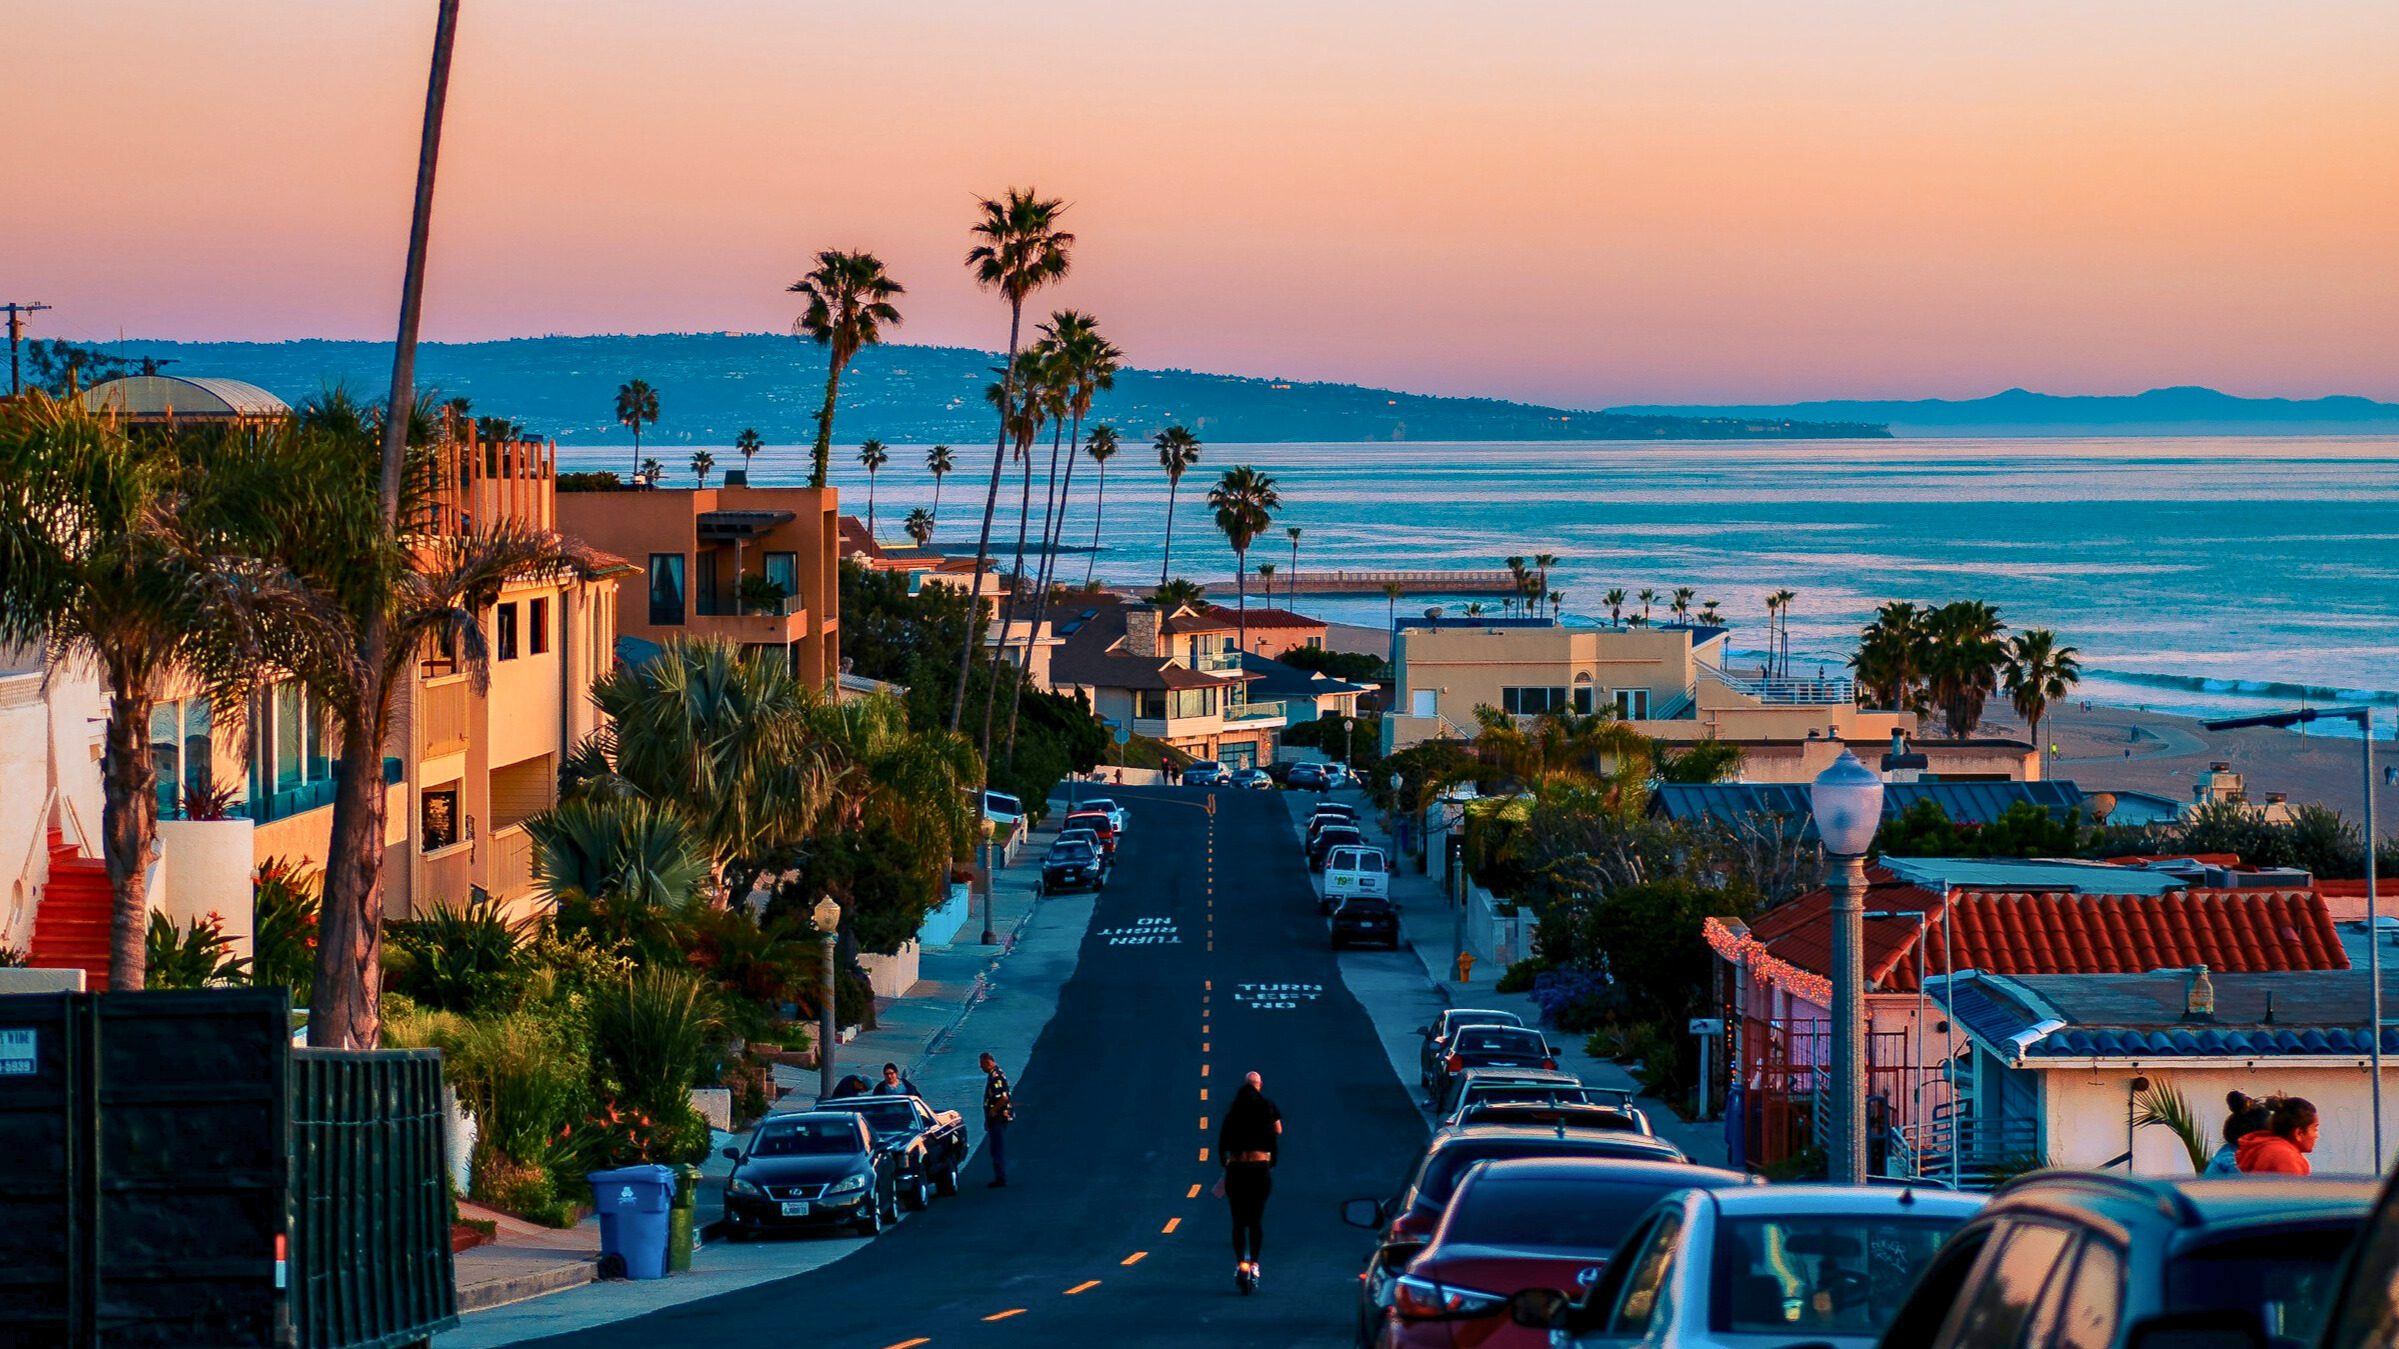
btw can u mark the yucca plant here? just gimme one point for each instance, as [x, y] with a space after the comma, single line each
[458, 957]
[621, 870]
[2163, 1105]
[655, 1033]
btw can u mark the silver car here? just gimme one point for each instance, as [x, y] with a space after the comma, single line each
[1757, 1269]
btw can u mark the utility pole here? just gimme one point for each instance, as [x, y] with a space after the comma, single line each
[16, 333]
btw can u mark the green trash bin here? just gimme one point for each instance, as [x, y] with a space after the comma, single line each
[678, 1220]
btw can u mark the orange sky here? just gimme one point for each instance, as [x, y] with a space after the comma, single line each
[1578, 201]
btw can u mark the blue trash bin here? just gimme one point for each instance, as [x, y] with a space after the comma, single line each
[633, 1203]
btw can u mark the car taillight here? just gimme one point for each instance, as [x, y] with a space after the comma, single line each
[1427, 1299]
[1550, 1064]
[1456, 1062]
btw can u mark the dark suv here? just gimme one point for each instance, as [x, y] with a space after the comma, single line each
[2086, 1260]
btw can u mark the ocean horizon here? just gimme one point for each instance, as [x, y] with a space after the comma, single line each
[2195, 574]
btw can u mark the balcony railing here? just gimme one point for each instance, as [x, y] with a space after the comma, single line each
[511, 862]
[307, 796]
[1258, 711]
[1216, 662]
[448, 875]
[1829, 691]
[444, 730]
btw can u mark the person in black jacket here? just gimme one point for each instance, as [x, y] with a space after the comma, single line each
[1247, 1144]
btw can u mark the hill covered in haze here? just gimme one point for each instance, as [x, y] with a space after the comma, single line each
[711, 385]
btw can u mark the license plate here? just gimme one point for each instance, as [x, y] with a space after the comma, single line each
[795, 1208]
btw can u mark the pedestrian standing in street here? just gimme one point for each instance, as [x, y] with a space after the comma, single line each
[2246, 1115]
[895, 1085]
[998, 1109]
[1247, 1144]
[2281, 1147]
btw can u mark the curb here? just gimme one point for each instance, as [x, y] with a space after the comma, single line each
[490, 1293]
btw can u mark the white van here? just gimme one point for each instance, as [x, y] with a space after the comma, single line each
[1354, 871]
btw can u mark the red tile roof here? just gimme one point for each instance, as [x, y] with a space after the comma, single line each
[1263, 618]
[855, 541]
[2002, 932]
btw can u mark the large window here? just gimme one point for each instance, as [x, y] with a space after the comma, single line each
[666, 590]
[783, 569]
[288, 743]
[438, 817]
[1632, 704]
[537, 626]
[181, 749]
[503, 625]
[1532, 701]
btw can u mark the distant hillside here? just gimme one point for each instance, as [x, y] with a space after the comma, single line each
[711, 385]
[2018, 412]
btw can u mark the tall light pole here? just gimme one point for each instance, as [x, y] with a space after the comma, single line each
[990, 938]
[1847, 799]
[827, 916]
[2364, 717]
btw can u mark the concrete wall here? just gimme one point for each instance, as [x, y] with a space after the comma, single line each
[893, 975]
[942, 924]
[2083, 1112]
[206, 870]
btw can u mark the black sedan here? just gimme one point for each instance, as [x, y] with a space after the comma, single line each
[819, 1169]
[1329, 838]
[1071, 865]
[930, 1144]
[1307, 777]
[1366, 919]
[1492, 1047]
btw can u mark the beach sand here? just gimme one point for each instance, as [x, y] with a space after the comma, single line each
[2168, 753]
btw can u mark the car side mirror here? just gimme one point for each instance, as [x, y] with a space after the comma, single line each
[1538, 1308]
[2199, 1330]
[733, 1153]
[1366, 1213]
[1395, 1255]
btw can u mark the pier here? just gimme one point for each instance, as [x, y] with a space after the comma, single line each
[1486, 582]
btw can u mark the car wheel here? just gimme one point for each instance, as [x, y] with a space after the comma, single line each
[870, 1217]
[920, 1195]
[947, 1182]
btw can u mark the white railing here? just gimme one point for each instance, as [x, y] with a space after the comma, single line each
[1832, 690]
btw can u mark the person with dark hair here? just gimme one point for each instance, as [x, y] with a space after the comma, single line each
[895, 1085]
[2245, 1115]
[1247, 1144]
[2281, 1147]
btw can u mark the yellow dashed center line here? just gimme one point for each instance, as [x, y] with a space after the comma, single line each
[1194, 1193]
[1203, 1070]
[1084, 1287]
[1203, 1093]
[1203, 1124]
[1134, 1259]
[1203, 1154]
[1171, 1225]
[1002, 1316]
[911, 1344]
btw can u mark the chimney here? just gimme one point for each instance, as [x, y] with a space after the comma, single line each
[2200, 1003]
[1141, 630]
[1901, 766]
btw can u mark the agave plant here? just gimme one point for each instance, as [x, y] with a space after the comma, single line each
[457, 957]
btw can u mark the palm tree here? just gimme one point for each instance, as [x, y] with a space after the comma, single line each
[1708, 612]
[1021, 250]
[1178, 450]
[1647, 598]
[849, 302]
[1180, 591]
[1962, 660]
[1391, 594]
[874, 456]
[636, 404]
[1778, 619]
[1292, 531]
[1557, 604]
[1542, 562]
[1041, 401]
[1615, 602]
[113, 544]
[920, 526]
[1890, 661]
[1082, 363]
[1100, 447]
[1517, 575]
[1266, 578]
[1474, 609]
[1681, 607]
[749, 443]
[651, 472]
[2039, 673]
[938, 462]
[702, 464]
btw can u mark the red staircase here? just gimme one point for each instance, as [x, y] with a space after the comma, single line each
[70, 929]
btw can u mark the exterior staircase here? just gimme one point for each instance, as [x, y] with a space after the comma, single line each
[70, 929]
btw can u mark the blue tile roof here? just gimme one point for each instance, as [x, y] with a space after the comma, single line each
[2202, 1041]
[1962, 802]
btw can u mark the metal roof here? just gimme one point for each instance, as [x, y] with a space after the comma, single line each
[1963, 802]
[162, 395]
[2053, 875]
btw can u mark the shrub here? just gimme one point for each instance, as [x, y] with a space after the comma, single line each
[284, 904]
[1575, 1000]
[458, 957]
[1520, 976]
[189, 958]
[521, 1078]
[654, 1034]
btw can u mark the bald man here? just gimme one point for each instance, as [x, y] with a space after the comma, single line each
[1247, 1144]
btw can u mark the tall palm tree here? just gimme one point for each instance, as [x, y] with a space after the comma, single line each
[1245, 501]
[1083, 363]
[1615, 602]
[1962, 660]
[1100, 447]
[651, 472]
[1681, 607]
[636, 405]
[920, 526]
[1041, 401]
[872, 454]
[1266, 579]
[1292, 602]
[1178, 450]
[1542, 562]
[849, 302]
[1391, 594]
[1647, 598]
[2039, 673]
[1779, 622]
[1708, 612]
[1021, 250]
[1890, 660]
[702, 464]
[749, 443]
[938, 462]
[113, 544]
[1516, 574]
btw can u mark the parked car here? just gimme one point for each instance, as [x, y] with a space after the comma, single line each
[930, 1144]
[1354, 871]
[1404, 1223]
[818, 1168]
[1527, 1231]
[1070, 866]
[1117, 815]
[1251, 780]
[1328, 838]
[1486, 1090]
[2364, 1313]
[1003, 810]
[1492, 1047]
[1089, 838]
[1203, 773]
[1307, 777]
[1448, 1093]
[2123, 1262]
[1318, 824]
[1365, 920]
[1279, 771]
[1097, 822]
[1327, 812]
[1437, 1031]
[1725, 1269]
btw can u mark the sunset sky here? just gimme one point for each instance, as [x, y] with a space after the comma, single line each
[1574, 201]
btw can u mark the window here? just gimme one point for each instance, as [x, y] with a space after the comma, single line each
[666, 590]
[2001, 1294]
[703, 590]
[1648, 1277]
[783, 571]
[537, 625]
[1530, 702]
[503, 627]
[1817, 1275]
[1632, 704]
[438, 816]
[166, 754]
[1153, 705]
[2090, 1311]
[288, 707]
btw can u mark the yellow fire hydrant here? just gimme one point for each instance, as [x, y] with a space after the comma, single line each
[1465, 967]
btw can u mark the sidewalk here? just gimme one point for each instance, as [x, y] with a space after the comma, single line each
[1401, 996]
[969, 998]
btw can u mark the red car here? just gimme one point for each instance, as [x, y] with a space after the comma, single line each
[1549, 1222]
[1097, 822]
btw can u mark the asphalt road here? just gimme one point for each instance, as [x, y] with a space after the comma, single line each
[1206, 960]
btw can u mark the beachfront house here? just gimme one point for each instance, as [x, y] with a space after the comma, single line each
[1171, 675]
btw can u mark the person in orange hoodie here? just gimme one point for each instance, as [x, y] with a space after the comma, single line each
[2281, 1147]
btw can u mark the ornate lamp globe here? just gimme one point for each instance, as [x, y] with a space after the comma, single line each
[1848, 801]
[827, 914]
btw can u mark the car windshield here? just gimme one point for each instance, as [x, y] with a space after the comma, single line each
[1496, 1040]
[2285, 1277]
[1542, 1112]
[1550, 1213]
[1457, 1019]
[1072, 851]
[1818, 1274]
[1084, 836]
[1438, 1175]
[1340, 833]
[888, 1116]
[1103, 805]
[1532, 1094]
[1096, 823]
[1000, 803]
[806, 1138]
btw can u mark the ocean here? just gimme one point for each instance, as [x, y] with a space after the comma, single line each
[2201, 575]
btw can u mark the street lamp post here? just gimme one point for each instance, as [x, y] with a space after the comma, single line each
[990, 937]
[1847, 799]
[827, 916]
[2364, 717]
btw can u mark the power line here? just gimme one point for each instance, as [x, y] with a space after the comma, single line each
[16, 334]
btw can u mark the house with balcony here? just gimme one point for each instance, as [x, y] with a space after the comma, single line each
[757, 566]
[1172, 675]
